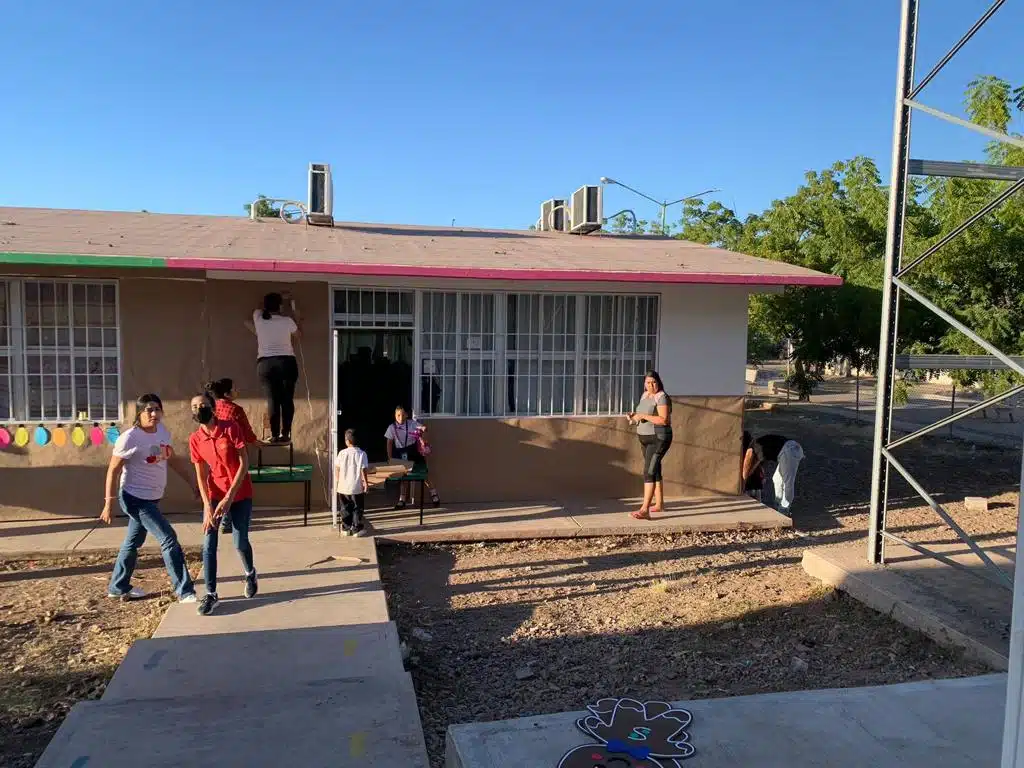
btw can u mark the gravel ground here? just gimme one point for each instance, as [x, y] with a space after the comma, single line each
[508, 630]
[61, 640]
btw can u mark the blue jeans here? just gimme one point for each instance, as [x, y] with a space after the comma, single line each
[143, 516]
[241, 516]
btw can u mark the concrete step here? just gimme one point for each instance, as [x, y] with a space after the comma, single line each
[253, 662]
[301, 585]
[931, 724]
[335, 724]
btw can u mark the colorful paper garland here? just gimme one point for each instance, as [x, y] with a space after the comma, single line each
[59, 435]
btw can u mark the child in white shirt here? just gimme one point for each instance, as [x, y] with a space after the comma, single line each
[350, 469]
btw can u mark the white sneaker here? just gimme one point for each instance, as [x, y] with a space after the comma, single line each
[188, 598]
[133, 594]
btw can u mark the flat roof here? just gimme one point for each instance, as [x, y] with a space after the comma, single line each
[226, 243]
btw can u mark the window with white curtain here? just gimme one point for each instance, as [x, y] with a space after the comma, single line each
[59, 351]
[534, 354]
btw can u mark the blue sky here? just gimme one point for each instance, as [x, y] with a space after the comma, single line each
[472, 111]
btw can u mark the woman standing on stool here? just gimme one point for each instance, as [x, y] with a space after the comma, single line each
[274, 326]
[653, 421]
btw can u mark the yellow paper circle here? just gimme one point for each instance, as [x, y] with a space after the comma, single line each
[78, 436]
[21, 437]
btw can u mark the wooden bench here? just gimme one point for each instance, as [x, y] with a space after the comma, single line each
[300, 473]
[412, 476]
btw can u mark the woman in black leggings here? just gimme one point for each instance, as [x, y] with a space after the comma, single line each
[274, 326]
[653, 420]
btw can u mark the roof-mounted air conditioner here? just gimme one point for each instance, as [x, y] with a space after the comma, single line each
[321, 195]
[554, 216]
[587, 208]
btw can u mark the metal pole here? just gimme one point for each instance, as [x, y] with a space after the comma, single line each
[664, 206]
[1013, 748]
[890, 295]
[858, 393]
[952, 409]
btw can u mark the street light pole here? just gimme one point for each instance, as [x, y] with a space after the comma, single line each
[663, 205]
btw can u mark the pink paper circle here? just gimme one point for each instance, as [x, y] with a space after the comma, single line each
[96, 436]
[5, 437]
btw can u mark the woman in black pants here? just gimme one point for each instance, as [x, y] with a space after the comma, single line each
[653, 420]
[274, 326]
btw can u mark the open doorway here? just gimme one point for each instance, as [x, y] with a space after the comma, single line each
[374, 375]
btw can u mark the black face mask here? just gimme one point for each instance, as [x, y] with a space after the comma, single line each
[203, 414]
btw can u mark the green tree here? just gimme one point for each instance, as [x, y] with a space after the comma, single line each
[264, 208]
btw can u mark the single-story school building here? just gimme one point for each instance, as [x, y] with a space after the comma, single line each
[521, 350]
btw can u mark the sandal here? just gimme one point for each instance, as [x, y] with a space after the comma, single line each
[400, 504]
[434, 498]
[640, 514]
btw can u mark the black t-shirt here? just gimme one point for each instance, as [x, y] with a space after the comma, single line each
[767, 447]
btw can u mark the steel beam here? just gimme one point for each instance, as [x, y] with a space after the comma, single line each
[952, 363]
[954, 417]
[992, 349]
[957, 170]
[898, 180]
[956, 48]
[986, 209]
[948, 520]
[991, 133]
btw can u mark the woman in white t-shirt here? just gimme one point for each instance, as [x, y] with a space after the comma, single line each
[274, 327]
[403, 437]
[136, 478]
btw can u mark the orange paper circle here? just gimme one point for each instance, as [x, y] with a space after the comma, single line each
[59, 437]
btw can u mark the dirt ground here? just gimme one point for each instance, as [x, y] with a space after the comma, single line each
[507, 630]
[61, 639]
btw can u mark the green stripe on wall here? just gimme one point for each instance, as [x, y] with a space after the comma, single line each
[73, 260]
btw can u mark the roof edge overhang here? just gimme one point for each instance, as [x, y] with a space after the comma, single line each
[397, 270]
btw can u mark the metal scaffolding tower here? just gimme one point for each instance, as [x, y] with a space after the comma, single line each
[894, 285]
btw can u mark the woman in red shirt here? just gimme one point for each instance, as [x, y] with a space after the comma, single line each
[219, 454]
[226, 409]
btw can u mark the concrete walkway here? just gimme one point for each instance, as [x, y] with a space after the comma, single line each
[451, 523]
[307, 673]
[934, 724]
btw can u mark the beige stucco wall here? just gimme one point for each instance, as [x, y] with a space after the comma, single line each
[179, 330]
[585, 458]
[175, 335]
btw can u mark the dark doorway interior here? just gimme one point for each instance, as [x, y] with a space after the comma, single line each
[374, 375]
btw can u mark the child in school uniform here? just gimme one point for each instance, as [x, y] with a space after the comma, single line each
[350, 469]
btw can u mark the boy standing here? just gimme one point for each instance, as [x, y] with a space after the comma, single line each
[350, 468]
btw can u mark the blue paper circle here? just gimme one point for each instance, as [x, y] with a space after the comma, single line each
[41, 435]
[113, 433]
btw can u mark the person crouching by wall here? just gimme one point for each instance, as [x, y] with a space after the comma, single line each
[786, 453]
[226, 409]
[219, 454]
[653, 421]
[753, 486]
[403, 437]
[350, 470]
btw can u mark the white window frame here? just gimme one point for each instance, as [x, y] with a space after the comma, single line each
[18, 352]
[621, 400]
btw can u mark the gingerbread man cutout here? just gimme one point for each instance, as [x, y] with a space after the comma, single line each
[632, 734]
